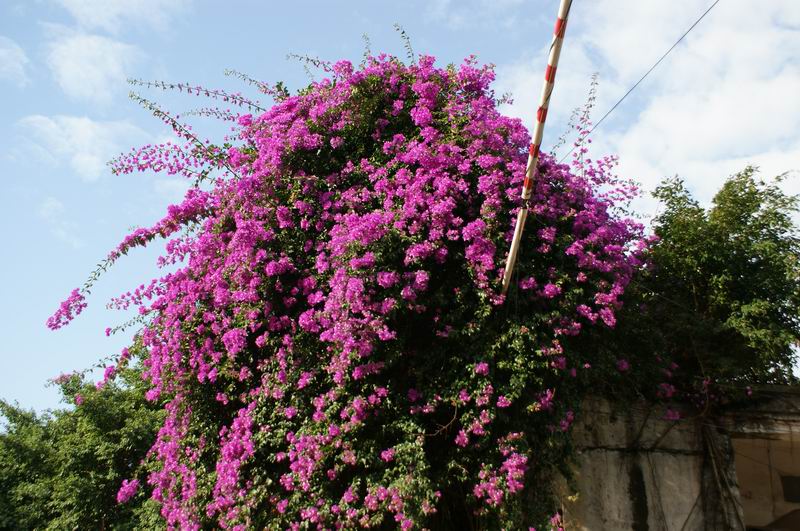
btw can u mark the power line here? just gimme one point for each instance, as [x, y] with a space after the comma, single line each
[696, 22]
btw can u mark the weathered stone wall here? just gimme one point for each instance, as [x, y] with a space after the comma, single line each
[760, 463]
[636, 471]
[766, 442]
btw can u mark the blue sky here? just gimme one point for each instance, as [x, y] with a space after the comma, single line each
[726, 97]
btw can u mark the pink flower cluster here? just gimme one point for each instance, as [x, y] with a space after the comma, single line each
[352, 245]
[68, 310]
[127, 490]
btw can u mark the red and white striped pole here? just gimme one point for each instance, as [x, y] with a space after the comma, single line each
[533, 152]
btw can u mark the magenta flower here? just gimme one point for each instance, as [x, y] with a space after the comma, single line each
[69, 309]
[387, 455]
[551, 290]
[127, 490]
[235, 340]
[666, 390]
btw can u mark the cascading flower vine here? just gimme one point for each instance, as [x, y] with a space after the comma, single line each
[332, 342]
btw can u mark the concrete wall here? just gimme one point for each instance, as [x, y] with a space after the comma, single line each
[638, 472]
[760, 463]
[766, 442]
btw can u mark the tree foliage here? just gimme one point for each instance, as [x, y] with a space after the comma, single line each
[726, 281]
[62, 470]
[716, 309]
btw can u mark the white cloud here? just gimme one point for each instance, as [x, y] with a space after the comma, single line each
[524, 78]
[90, 67]
[112, 15]
[86, 145]
[52, 212]
[725, 97]
[13, 62]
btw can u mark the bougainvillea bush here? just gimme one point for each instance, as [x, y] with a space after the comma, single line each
[332, 342]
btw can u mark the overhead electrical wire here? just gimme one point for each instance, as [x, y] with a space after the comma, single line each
[664, 56]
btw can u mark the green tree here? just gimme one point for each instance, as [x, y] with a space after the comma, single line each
[62, 469]
[720, 294]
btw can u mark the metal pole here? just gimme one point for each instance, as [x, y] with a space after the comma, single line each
[538, 131]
